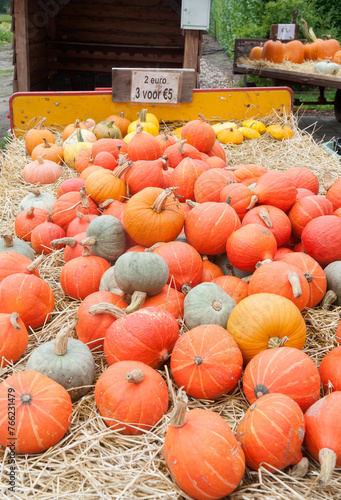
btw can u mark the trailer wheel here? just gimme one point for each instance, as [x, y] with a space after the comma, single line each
[337, 105]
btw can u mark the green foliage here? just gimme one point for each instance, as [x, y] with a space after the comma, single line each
[5, 33]
[5, 6]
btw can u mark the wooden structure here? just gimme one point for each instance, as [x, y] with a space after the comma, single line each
[74, 44]
[284, 77]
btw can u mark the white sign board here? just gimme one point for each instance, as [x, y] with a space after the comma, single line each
[286, 31]
[157, 87]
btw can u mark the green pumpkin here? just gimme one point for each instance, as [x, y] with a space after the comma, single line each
[67, 361]
[37, 199]
[108, 130]
[8, 243]
[333, 275]
[207, 304]
[106, 237]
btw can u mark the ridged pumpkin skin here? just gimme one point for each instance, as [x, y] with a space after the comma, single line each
[239, 197]
[273, 51]
[109, 237]
[169, 300]
[43, 234]
[150, 217]
[147, 335]
[36, 135]
[215, 465]
[65, 208]
[144, 174]
[276, 189]
[284, 370]
[41, 171]
[12, 263]
[273, 218]
[121, 402]
[262, 320]
[321, 239]
[294, 51]
[330, 369]
[103, 185]
[42, 411]
[185, 175]
[31, 297]
[179, 151]
[248, 174]
[249, 245]
[144, 146]
[13, 338]
[27, 220]
[71, 184]
[206, 362]
[282, 279]
[313, 272]
[209, 225]
[209, 184]
[272, 431]
[304, 178]
[307, 209]
[210, 270]
[91, 328]
[334, 194]
[233, 286]
[199, 134]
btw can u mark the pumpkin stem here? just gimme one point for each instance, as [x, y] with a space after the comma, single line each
[70, 242]
[305, 30]
[122, 169]
[192, 203]
[327, 459]
[106, 308]
[106, 203]
[327, 180]
[26, 399]
[228, 201]
[330, 388]
[40, 160]
[89, 241]
[60, 342]
[216, 305]
[262, 262]
[34, 265]
[135, 376]
[308, 277]
[79, 135]
[178, 416]
[153, 247]
[159, 204]
[198, 360]
[300, 469]
[86, 252]
[277, 342]
[76, 124]
[181, 148]
[329, 299]
[35, 191]
[46, 144]
[137, 300]
[40, 124]
[265, 217]
[8, 240]
[253, 202]
[14, 321]
[295, 284]
[185, 288]
[30, 212]
[79, 214]
[84, 198]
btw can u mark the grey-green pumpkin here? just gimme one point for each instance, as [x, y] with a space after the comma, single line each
[8, 243]
[207, 304]
[333, 275]
[106, 237]
[37, 199]
[67, 361]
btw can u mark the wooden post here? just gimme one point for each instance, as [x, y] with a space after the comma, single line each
[21, 45]
[191, 55]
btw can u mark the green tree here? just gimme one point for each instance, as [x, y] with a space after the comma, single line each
[5, 6]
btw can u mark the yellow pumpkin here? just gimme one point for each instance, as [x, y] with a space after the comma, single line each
[217, 127]
[266, 320]
[249, 133]
[71, 151]
[255, 124]
[280, 131]
[148, 121]
[177, 132]
[129, 136]
[230, 136]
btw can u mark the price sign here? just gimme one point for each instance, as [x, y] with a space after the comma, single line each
[156, 87]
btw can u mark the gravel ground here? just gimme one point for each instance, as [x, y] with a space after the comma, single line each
[215, 66]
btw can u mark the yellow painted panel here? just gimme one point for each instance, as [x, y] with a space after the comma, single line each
[62, 108]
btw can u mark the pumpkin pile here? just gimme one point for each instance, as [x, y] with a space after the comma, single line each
[187, 280]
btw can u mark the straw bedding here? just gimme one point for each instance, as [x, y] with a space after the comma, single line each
[305, 67]
[94, 462]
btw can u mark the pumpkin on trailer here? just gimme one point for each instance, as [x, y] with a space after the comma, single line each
[67, 361]
[334, 193]
[330, 370]
[71, 184]
[106, 237]
[71, 128]
[276, 189]
[43, 234]
[248, 174]
[302, 177]
[209, 184]
[185, 176]
[73, 248]
[27, 220]
[284, 370]
[235, 287]
[12, 263]
[321, 239]
[79, 224]
[273, 50]
[121, 121]
[273, 218]
[41, 171]
[145, 173]
[143, 146]
[147, 335]
[201, 452]
[265, 320]
[17, 245]
[103, 184]
[210, 270]
[271, 432]
[206, 362]
[13, 338]
[239, 197]
[107, 130]
[307, 209]
[66, 207]
[323, 434]
[43, 409]
[131, 396]
[169, 300]
[199, 133]
[280, 132]
[37, 199]
[180, 150]
[37, 135]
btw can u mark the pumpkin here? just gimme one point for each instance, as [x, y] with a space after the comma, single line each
[284, 370]
[283, 279]
[307, 209]
[73, 127]
[153, 215]
[280, 131]
[326, 67]
[71, 184]
[94, 320]
[223, 124]
[108, 281]
[122, 395]
[210, 183]
[140, 274]
[313, 273]
[106, 160]
[185, 175]
[216, 464]
[73, 248]
[199, 133]
[80, 135]
[209, 225]
[281, 252]
[273, 218]
[276, 189]
[37, 199]
[255, 124]
[43, 234]
[228, 269]
[332, 273]
[239, 197]
[72, 150]
[249, 133]
[321, 239]
[265, 320]
[144, 146]
[215, 162]
[146, 120]
[273, 51]
[120, 121]
[79, 224]
[65, 209]
[106, 237]
[84, 159]
[249, 245]
[37, 135]
[235, 287]
[271, 432]
[17, 245]
[166, 140]
[147, 335]
[334, 192]
[210, 270]
[330, 371]
[113, 146]
[230, 136]
[206, 362]
[323, 431]
[207, 303]
[67, 361]
[42, 407]
[13, 338]
[12, 263]
[169, 300]
[294, 51]
[104, 184]
[302, 177]
[90, 170]
[27, 220]
[179, 151]
[302, 192]
[82, 275]
[255, 53]
[31, 297]
[145, 173]
[48, 151]
[107, 130]
[41, 171]
[248, 174]
[217, 150]
[184, 264]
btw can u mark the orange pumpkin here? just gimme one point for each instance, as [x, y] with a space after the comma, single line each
[302, 177]
[120, 121]
[104, 184]
[248, 174]
[210, 183]
[72, 128]
[273, 218]
[210, 270]
[43, 234]
[256, 53]
[41, 171]
[144, 146]
[13, 338]
[273, 51]
[169, 300]
[233, 286]
[307, 209]
[185, 175]
[199, 133]
[65, 209]
[27, 220]
[37, 135]
[48, 151]
[276, 189]
[239, 197]
[294, 51]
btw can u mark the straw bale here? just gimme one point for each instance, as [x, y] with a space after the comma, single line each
[94, 462]
[305, 67]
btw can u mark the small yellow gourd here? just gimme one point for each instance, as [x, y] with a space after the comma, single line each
[221, 125]
[280, 131]
[255, 124]
[149, 122]
[230, 136]
[249, 133]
